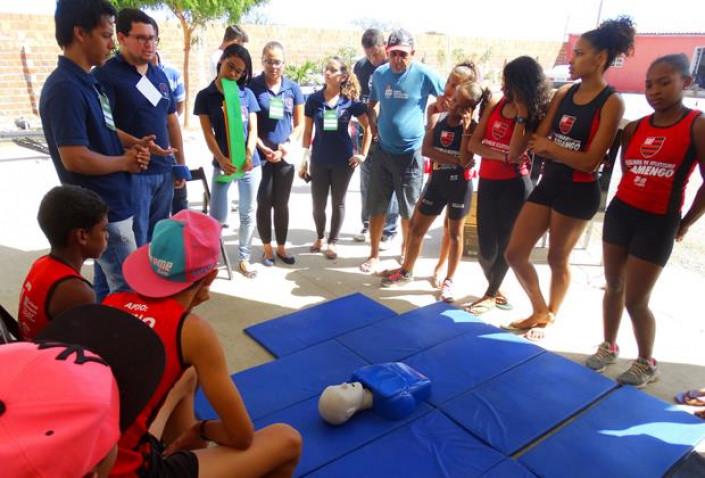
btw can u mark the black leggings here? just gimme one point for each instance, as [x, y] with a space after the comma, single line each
[335, 179]
[498, 205]
[274, 192]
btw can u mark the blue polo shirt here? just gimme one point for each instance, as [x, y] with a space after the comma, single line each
[402, 101]
[210, 102]
[176, 82]
[272, 131]
[133, 112]
[71, 115]
[332, 147]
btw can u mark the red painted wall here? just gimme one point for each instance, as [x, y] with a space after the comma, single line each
[630, 78]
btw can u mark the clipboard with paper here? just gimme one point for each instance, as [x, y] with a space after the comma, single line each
[234, 130]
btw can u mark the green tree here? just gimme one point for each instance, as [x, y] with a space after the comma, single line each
[193, 15]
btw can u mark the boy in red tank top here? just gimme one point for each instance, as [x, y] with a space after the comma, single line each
[74, 220]
[659, 153]
[170, 276]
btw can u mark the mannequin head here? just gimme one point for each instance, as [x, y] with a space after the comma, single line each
[339, 402]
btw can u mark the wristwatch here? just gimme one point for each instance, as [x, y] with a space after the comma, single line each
[520, 119]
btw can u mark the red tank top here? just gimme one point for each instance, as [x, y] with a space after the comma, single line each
[166, 317]
[46, 273]
[657, 164]
[498, 134]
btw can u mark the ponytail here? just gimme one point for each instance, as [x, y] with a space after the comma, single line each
[615, 37]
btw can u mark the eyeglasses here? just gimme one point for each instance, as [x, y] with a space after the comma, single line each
[269, 62]
[144, 39]
[399, 53]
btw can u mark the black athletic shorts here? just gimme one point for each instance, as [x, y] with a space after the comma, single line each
[563, 195]
[446, 187]
[182, 464]
[645, 235]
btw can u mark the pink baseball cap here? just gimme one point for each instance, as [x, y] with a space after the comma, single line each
[59, 410]
[184, 249]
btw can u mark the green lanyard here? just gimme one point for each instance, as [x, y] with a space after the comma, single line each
[330, 119]
[107, 112]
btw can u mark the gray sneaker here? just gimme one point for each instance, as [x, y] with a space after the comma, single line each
[640, 374]
[603, 357]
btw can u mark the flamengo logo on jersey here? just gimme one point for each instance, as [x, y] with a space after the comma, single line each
[566, 123]
[447, 138]
[499, 129]
[651, 146]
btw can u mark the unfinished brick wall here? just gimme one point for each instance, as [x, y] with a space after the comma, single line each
[28, 53]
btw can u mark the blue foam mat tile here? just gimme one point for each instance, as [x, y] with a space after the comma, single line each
[459, 364]
[319, 323]
[508, 469]
[323, 443]
[628, 434]
[395, 339]
[432, 446]
[513, 409]
[276, 385]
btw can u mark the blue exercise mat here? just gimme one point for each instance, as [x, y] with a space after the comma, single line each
[395, 339]
[276, 385]
[508, 469]
[324, 443]
[432, 446]
[513, 409]
[462, 363]
[316, 324]
[628, 434]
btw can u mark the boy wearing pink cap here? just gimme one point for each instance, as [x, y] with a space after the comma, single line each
[169, 277]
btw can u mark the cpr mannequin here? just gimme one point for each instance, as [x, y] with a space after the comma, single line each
[392, 390]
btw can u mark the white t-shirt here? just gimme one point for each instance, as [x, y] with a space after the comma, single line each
[215, 58]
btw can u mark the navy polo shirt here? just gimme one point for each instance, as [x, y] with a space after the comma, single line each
[133, 112]
[332, 147]
[72, 116]
[210, 101]
[271, 131]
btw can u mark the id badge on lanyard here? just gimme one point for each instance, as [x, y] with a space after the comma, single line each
[107, 112]
[276, 108]
[330, 120]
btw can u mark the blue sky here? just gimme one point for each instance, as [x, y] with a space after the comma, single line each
[529, 19]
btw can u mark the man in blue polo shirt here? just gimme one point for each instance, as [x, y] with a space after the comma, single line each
[145, 113]
[80, 131]
[401, 88]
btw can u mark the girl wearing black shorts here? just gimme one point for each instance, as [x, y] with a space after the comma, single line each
[659, 153]
[501, 138]
[449, 185]
[580, 126]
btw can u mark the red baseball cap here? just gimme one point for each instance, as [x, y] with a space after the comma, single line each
[184, 249]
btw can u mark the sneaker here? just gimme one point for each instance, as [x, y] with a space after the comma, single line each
[385, 243]
[605, 355]
[447, 291]
[641, 373]
[361, 236]
[397, 277]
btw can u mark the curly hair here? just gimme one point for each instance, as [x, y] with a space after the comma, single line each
[524, 78]
[616, 37]
[350, 87]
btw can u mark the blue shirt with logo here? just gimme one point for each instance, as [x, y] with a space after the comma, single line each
[71, 115]
[402, 101]
[332, 147]
[210, 101]
[273, 131]
[176, 82]
[133, 112]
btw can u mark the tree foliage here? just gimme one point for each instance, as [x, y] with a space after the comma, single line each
[193, 15]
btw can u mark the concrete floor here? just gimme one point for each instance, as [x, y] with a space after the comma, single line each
[677, 300]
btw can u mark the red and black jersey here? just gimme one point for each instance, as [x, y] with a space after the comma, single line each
[657, 164]
[166, 317]
[574, 128]
[498, 135]
[44, 276]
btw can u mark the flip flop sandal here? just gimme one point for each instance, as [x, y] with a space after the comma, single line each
[331, 254]
[481, 306]
[513, 328]
[694, 398]
[502, 304]
[314, 249]
[249, 273]
[535, 334]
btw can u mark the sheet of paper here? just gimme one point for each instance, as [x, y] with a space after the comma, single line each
[149, 91]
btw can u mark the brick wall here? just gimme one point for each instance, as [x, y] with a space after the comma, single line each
[28, 54]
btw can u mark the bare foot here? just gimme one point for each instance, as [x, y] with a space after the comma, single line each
[316, 246]
[437, 279]
[482, 305]
[370, 265]
[534, 320]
